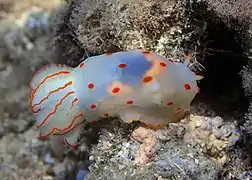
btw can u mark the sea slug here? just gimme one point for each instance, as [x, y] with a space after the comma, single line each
[133, 85]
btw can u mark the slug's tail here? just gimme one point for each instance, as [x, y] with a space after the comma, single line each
[53, 100]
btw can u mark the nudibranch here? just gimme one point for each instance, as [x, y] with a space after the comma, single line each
[133, 85]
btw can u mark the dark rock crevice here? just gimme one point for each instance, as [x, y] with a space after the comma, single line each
[220, 49]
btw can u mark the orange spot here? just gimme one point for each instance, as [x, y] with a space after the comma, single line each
[169, 103]
[146, 52]
[106, 115]
[81, 65]
[198, 89]
[123, 88]
[109, 54]
[90, 85]
[178, 109]
[129, 102]
[93, 106]
[55, 109]
[147, 79]
[162, 64]
[116, 90]
[122, 65]
[187, 87]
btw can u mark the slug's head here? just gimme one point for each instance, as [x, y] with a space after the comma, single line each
[53, 100]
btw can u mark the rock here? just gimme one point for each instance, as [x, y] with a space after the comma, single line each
[81, 174]
[64, 169]
[94, 27]
[217, 121]
[217, 133]
[48, 159]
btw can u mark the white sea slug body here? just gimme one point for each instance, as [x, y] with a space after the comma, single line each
[133, 85]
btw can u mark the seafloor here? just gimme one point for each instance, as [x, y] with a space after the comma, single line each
[210, 143]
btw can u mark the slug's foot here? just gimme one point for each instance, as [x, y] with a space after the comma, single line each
[153, 126]
[179, 115]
